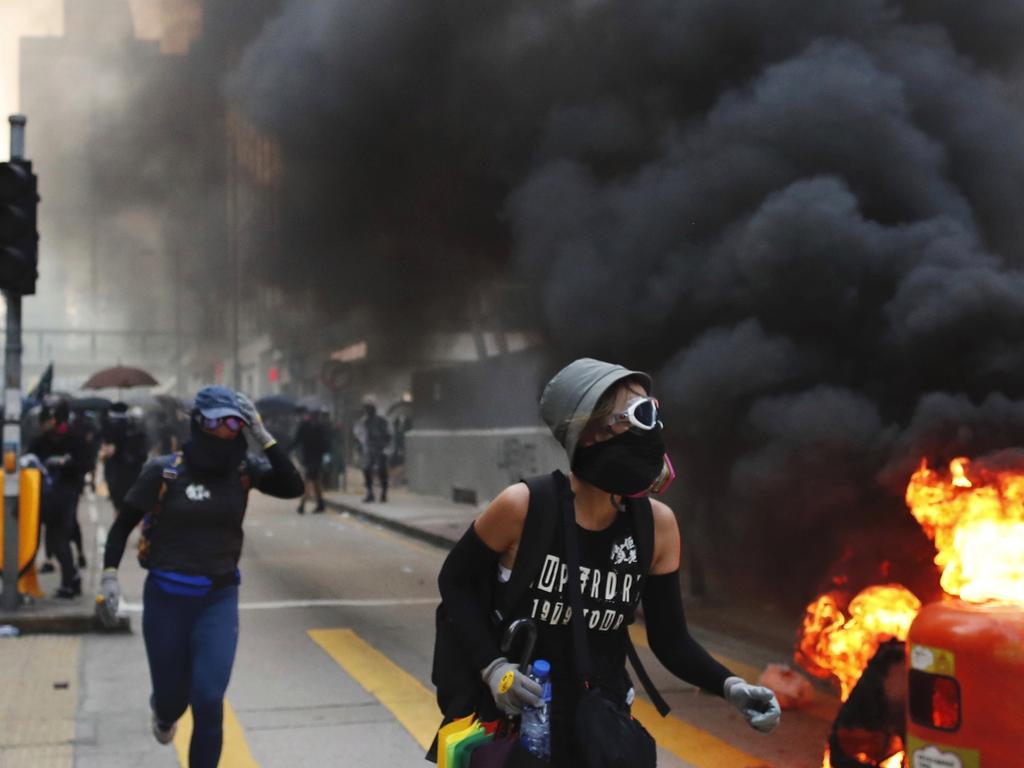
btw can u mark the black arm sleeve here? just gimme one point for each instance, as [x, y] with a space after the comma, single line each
[126, 521]
[670, 638]
[140, 498]
[281, 479]
[466, 577]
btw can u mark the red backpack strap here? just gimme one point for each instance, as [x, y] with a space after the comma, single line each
[170, 473]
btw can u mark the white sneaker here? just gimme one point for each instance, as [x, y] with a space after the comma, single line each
[162, 735]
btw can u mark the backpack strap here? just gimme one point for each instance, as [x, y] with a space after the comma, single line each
[170, 473]
[643, 527]
[645, 680]
[538, 532]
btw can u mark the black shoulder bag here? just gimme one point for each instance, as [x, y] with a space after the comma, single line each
[605, 734]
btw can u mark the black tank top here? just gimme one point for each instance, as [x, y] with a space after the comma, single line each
[611, 582]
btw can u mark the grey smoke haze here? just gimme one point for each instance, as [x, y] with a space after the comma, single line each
[802, 215]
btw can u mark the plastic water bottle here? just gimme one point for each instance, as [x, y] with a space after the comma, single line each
[535, 723]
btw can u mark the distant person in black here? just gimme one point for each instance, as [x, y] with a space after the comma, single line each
[124, 451]
[373, 434]
[191, 505]
[66, 456]
[166, 439]
[87, 425]
[312, 444]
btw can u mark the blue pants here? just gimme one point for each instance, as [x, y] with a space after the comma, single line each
[190, 643]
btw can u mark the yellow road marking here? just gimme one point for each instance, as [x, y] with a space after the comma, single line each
[744, 670]
[415, 708]
[236, 752]
[690, 743]
[412, 704]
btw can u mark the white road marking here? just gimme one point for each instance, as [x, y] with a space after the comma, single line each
[90, 499]
[325, 603]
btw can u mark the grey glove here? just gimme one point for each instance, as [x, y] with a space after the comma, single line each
[254, 420]
[755, 702]
[511, 689]
[109, 598]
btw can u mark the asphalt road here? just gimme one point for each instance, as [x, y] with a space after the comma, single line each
[334, 661]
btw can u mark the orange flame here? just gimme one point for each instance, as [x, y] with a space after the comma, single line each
[976, 519]
[840, 645]
[896, 761]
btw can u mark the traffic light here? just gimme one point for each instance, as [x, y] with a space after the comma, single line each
[19, 240]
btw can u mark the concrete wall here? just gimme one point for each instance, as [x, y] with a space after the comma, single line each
[481, 460]
[496, 392]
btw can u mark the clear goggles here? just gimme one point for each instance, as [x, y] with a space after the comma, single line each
[641, 413]
[233, 423]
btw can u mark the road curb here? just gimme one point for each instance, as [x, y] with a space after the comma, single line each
[70, 624]
[434, 539]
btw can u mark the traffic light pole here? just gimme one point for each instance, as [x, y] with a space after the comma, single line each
[12, 413]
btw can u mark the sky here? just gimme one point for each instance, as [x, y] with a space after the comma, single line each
[20, 18]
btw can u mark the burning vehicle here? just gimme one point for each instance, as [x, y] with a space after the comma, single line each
[938, 686]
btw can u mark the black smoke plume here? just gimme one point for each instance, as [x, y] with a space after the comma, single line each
[802, 215]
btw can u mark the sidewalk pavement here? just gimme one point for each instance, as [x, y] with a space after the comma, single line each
[38, 701]
[431, 519]
[48, 614]
[442, 522]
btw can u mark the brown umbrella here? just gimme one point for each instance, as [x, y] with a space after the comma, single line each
[121, 377]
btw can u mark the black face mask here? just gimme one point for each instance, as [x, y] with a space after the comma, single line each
[215, 455]
[625, 465]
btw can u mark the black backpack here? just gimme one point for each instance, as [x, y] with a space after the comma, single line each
[460, 690]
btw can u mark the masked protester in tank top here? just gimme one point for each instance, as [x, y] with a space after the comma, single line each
[609, 425]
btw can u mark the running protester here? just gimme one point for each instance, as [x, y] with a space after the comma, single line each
[610, 427]
[191, 505]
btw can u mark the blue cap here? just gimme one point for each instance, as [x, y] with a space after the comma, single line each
[217, 402]
[541, 669]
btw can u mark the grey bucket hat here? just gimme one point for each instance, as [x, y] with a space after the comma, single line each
[569, 398]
